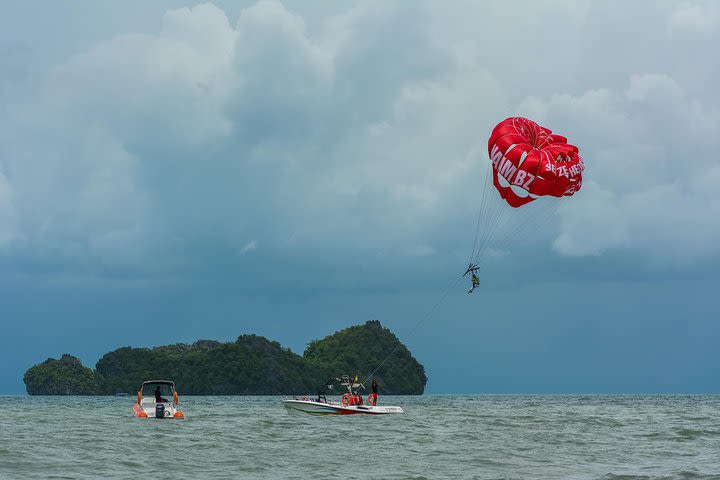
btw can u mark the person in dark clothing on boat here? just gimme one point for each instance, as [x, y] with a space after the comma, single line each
[373, 397]
[158, 395]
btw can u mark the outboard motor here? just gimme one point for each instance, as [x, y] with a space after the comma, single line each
[159, 410]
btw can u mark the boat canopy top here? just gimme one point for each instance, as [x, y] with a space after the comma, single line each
[352, 385]
[166, 387]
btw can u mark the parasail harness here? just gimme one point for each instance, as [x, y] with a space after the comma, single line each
[472, 268]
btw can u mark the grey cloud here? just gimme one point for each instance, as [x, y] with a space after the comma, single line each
[365, 131]
[649, 150]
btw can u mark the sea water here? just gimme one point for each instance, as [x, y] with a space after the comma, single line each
[439, 436]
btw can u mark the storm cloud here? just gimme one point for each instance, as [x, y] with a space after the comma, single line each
[225, 141]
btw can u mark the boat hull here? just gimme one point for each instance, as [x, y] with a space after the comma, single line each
[146, 411]
[313, 407]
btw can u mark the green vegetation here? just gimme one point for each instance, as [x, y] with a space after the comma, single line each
[251, 365]
[361, 349]
[66, 376]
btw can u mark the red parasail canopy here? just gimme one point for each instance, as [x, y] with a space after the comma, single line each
[529, 161]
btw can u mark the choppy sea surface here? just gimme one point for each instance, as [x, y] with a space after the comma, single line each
[439, 436]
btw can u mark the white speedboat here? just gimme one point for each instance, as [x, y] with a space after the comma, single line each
[351, 404]
[157, 399]
[314, 406]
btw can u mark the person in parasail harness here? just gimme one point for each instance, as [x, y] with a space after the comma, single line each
[475, 282]
[472, 270]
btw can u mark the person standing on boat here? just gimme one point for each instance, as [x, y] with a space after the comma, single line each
[356, 397]
[373, 397]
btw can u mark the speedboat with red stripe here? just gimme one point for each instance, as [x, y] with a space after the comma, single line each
[351, 401]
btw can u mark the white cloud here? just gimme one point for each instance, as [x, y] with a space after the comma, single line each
[174, 84]
[649, 153]
[691, 18]
[655, 87]
[248, 247]
[592, 224]
[667, 224]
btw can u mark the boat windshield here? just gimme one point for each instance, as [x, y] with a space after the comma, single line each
[166, 389]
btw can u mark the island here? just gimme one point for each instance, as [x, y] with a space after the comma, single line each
[251, 365]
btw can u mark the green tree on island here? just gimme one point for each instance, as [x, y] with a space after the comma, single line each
[251, 365]
[66, 376]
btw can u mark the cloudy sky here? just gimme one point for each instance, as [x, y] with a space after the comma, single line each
[174, 171]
